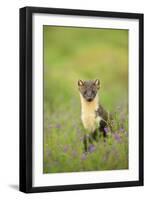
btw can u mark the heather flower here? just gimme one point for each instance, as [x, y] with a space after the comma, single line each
[74, 153]
[121, 129]
[58, 126]
[91, 148]
[106, 130]
[65, 149]
[117, 137]
[50, 126]
[84, 156]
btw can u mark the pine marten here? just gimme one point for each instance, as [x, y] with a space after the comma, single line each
[93, 115]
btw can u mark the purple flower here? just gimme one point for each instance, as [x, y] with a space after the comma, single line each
[54, 126]
[58, 126]
[84, 156]
[106, 130]
[121, 129]
[50, 126]
[74, 153]
[65, 149]
[117, 137]
[91, 148]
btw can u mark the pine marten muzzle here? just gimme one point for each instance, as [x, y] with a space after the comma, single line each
[93, 115]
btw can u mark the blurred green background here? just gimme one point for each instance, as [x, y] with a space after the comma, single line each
[82, 53]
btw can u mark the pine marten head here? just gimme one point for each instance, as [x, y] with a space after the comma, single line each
[89, 89]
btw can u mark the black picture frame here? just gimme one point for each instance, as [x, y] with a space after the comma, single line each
[26, 98]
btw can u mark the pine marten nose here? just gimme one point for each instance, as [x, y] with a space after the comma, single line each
[89, 99]
[89, 93]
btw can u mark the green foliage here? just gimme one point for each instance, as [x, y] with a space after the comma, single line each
[79, 53]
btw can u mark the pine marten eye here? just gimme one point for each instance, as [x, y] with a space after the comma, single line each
[85, 92]
[93, 92]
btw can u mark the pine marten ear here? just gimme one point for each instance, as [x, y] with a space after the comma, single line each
[97, 83]
[80, 83]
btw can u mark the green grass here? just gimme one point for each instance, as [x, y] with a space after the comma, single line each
[71, 54]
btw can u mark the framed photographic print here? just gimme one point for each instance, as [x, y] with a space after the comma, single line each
[81, 99]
